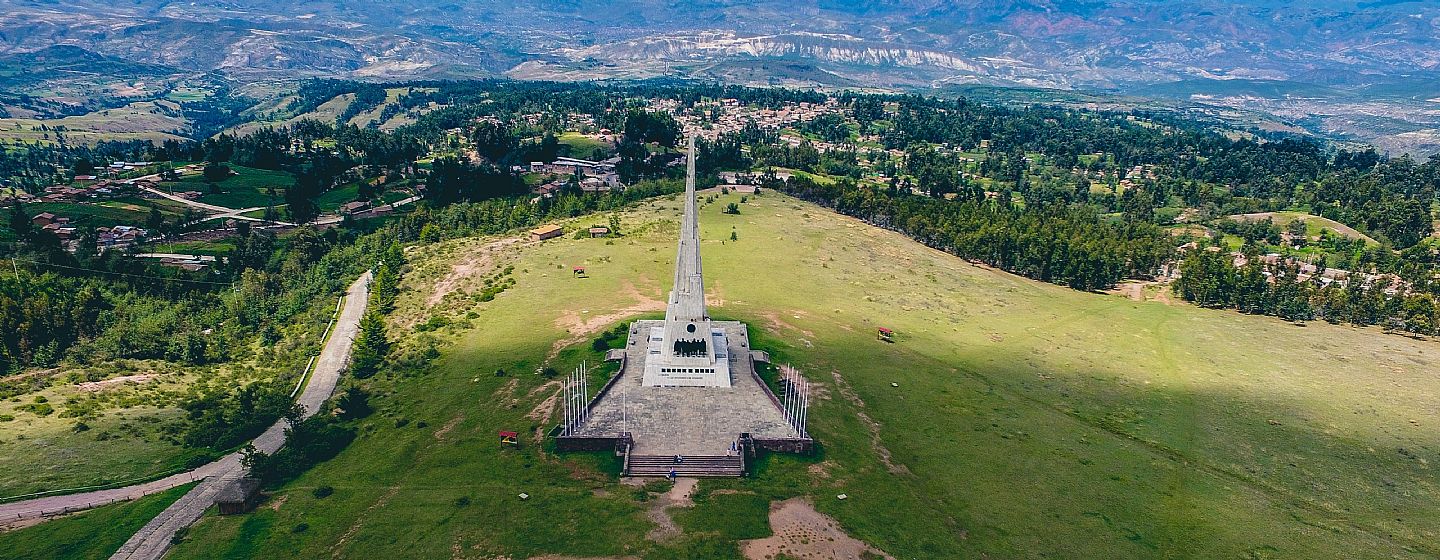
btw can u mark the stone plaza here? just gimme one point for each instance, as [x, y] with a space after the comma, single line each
[687, 399]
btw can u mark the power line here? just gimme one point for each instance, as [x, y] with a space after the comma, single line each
[231, 284]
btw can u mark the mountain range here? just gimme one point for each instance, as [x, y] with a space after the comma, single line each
[1310, 63]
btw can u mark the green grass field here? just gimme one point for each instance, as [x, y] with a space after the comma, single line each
[97, 533]
[1027, 420]
[581, 146]
[248, 189]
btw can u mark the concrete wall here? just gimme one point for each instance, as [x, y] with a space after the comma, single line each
[563, 443]
[797, 446]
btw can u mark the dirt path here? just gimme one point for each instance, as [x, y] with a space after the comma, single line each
[802, 532]
[542, 412]
[871, 425]
[678, 497]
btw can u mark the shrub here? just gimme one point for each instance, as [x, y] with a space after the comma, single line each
[322, 492]
[38, 409]
[462, 501]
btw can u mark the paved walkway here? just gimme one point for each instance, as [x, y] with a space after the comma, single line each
[687, 420]
[322, 382]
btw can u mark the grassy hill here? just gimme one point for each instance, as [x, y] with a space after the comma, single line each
[1026, 420]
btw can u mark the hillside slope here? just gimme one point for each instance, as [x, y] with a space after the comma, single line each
[1028, 420]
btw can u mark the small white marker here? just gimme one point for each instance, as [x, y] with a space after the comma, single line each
[524, 496]
[842, 496]
[894, 384]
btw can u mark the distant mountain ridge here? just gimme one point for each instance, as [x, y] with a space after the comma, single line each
[1188, 49]
[1053, 43]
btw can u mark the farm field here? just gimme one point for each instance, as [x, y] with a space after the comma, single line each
[142, 120]
[331, 200]
[1011, 419]
[325, 112]
[580, 146]
[193, 247]
[248, 189]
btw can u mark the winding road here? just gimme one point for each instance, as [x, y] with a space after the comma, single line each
[328, 368]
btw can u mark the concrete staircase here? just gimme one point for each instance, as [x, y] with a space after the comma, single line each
[712, 466]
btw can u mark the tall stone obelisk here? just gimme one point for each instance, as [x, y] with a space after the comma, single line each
[691, 352]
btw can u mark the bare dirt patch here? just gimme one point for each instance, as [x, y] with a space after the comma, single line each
[802, 532]
[580, 326]
[275, 504]
[96, 386]
[775, 323]
[1135, 291]
[822, 469]
[871, 425]
[506, 393]
[476, 264]
[542, 412]
[445, 430]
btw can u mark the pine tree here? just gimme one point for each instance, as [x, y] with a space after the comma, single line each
[370, 347]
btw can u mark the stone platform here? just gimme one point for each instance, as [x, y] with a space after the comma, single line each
[691, 421]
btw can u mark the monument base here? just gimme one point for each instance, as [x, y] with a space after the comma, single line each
[686, 372]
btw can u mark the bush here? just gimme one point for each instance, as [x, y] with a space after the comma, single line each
[732, 208]
[38, 409]
[301, 528]
[322, 492]
[462, 501]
